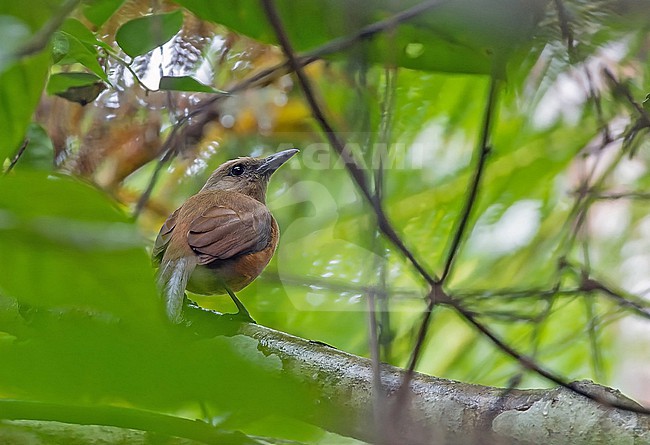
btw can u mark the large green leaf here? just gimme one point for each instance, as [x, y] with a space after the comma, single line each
[21, 86]
[141, 35]
[39, 152]
[77, 29]
[35, 13]
[79, 52]
[98, 11]
[82, 88]
[13, 33]
[61, 82]
[455, 36]
[21, 79]
[66, 247]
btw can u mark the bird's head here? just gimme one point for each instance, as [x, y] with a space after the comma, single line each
[248, 176]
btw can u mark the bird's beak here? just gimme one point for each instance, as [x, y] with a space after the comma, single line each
[273, 162]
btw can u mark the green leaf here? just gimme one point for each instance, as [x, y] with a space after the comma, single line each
[60, 47]
[39, 152]
[186, 83]
[78, 52]
[66, 247]
[99, 11]
[82, 88]
[34, 13]
[77, 29]
[13, 33]
[141, 35]
[21, 86]
[61, 82]
[459, 36]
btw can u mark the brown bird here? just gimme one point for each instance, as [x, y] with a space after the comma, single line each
[220, 239]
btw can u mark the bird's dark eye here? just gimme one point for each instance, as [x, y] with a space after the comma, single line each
[237, 170]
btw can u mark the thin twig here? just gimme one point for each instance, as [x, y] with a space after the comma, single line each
[622, 195]
[565, 27]
[124, 64]
[334, 285]
[437, 293]
[387, 105]
[17, 156]
[623, 89]
[483, 152]
[373, 29]
[379, 397]
[530, 364]
[515, 294]
[590, 284]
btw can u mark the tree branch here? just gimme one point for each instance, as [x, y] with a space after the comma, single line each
[121, 417]
[341, 391]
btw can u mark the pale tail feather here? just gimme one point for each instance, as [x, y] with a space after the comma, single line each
[172, 280]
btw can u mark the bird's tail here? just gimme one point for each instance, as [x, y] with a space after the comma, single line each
[172, 279]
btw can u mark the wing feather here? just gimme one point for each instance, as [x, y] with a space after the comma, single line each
[162, 240]
[220, 232]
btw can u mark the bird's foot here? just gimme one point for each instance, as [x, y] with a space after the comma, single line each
[241, 316]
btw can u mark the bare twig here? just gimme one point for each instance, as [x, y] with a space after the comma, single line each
[590, 284]
[332, 284]
[437, 293]
[483, 152]
[565, 27]
[371, 30]
[530, 364]
[625, 91]
[622, 195]
[17, 156]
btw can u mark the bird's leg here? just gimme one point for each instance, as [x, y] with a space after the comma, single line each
[242, 312]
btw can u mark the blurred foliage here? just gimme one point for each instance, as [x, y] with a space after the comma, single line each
[563, 198]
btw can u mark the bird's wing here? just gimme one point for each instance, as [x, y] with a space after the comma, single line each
[162, 240]
[221, 232]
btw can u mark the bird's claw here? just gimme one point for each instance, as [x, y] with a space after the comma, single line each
[242, 316]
